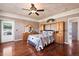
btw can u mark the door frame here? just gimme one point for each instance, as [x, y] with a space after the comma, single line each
[69, 41]
[13, 30]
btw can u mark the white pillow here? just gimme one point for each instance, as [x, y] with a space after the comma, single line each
[45, 33]
[50, 33]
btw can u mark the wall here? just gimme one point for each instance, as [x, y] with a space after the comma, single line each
[0, 30]
[20, 27]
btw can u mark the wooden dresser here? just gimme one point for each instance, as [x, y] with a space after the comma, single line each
[26, 34]
[60, 33]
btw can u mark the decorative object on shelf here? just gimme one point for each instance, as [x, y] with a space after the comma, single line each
[50, 20]
[42, 27]
[29, 28]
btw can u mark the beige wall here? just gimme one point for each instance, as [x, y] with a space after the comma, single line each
[20, 27]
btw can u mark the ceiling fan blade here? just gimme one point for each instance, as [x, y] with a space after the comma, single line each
[26, 9]
[36, 13]
[40, 10]
[30, 13]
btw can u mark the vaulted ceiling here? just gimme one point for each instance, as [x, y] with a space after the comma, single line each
[50, 9]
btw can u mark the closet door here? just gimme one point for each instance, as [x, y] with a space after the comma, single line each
[60, 26]
[53, 27]
[61, 32]
[41, 27]
[57, 35]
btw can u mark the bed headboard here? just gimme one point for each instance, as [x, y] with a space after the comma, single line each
[48, 30]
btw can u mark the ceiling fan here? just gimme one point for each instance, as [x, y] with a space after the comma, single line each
[33, 10]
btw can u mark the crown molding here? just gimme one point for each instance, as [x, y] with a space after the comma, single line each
[12, 15]
[63, 14]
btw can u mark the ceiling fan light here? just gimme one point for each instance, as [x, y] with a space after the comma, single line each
[33, 11]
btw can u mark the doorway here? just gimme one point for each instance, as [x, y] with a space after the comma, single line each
[7, 31]
[74, 31]
[73, 26]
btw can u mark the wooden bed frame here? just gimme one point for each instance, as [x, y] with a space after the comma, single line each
[26, 34]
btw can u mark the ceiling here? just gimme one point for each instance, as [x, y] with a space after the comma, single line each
[50, 9]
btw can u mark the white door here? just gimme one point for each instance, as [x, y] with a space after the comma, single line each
[69, 31]
[7, 29]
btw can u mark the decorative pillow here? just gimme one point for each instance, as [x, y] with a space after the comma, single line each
[50, 33]
[45, 33]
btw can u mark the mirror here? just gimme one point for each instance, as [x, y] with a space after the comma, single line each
[29, 28]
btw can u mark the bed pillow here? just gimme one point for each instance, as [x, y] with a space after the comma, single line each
[50, 33]
[45, 33]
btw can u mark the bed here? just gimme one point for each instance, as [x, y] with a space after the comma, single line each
[39, 41]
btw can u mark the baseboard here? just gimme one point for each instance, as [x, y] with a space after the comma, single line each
[66, 42]
[10, 41]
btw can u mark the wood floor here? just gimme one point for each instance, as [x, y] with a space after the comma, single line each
[21, 48]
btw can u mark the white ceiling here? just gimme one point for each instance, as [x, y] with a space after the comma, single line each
[50, 9]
